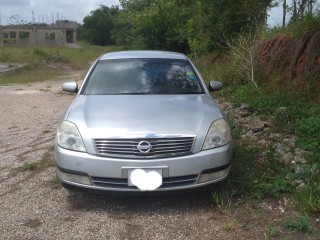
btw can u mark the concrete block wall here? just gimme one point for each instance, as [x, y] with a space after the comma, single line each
[50, 37]
[12, 35]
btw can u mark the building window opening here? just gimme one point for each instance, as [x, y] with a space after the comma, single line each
[12, 34]
[24, 35]
[50, 36]
[70, 38]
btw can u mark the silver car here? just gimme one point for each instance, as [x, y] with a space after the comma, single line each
[142, 121]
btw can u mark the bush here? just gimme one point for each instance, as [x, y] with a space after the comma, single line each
[301, 224]
[308, 23]
[308, 130]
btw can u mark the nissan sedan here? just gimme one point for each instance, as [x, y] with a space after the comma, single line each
[142, 121]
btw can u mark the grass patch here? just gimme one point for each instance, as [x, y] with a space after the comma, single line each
[301, 224]
[271, 231]
[286, 108]
[308, 198]
[54, 183]
[236, 129]
[47, 63]
[32, 73]
[46, 161]
[308, 129]
[228, 226]
[222, 198]
[255, 178]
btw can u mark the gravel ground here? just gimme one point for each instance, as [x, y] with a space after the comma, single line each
[34, 206]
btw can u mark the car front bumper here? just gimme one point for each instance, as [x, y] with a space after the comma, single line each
[111, 174]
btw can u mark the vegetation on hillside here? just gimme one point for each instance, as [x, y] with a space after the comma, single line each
[284, 64]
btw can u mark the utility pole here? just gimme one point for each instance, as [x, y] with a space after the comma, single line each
[1, 42]
[33, 18]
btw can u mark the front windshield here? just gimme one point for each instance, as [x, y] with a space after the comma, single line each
[142, 76]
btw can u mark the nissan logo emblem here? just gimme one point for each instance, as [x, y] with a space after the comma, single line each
[144, 147]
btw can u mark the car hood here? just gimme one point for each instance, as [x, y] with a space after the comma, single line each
[126, 116]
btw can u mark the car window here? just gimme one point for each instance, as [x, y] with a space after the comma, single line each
[142, 76]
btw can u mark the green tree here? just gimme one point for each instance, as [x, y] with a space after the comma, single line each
[161, 26]
[301, 8]
[127, 22]
[97, 27]
[136, 5]
[153, 24]
[214, 22]
[179, 25]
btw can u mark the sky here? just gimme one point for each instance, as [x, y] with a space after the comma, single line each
[275, 16]
[48, 10]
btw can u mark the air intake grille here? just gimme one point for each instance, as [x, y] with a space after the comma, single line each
[145, 148]
[169, 182]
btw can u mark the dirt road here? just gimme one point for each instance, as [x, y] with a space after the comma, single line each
[34, 206]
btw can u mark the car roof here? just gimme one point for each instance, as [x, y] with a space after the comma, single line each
[143, 54]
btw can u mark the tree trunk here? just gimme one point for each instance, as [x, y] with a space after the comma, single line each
[267, 4]
[284, 13]
[310, 5]
[294, 14]
[302, 8]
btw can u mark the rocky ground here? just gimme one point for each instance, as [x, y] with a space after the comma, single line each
[34, 206]
[260, 130]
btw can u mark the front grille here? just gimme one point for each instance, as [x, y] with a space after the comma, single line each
[122, 183]
[160, 147]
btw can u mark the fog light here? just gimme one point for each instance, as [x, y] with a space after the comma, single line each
[74, 177]
[206, 177]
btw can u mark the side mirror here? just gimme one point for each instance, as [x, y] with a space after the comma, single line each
[214, 86]
[70, 87]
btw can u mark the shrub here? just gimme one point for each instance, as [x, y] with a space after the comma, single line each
[308, 130]
[301, 224]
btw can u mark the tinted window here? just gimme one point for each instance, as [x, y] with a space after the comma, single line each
[143, 76]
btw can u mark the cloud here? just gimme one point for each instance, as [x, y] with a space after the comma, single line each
[48, 10]
[15, 2]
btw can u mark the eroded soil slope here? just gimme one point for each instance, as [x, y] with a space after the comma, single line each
[292, 61]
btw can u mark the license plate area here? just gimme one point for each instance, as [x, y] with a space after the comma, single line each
[146, 176]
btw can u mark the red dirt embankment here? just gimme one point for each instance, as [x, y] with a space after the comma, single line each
[293, 62]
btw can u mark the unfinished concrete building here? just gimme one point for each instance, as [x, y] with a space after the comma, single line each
[60, 34]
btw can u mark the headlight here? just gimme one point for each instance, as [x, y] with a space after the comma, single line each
[219, 134]
[69, 137]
